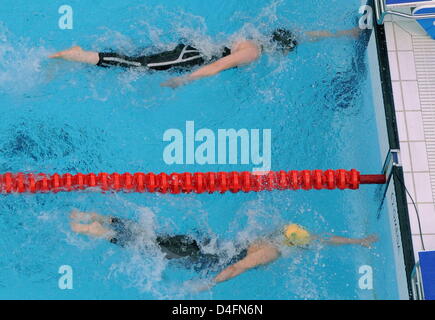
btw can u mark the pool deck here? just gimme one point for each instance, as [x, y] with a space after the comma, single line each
[411, 55]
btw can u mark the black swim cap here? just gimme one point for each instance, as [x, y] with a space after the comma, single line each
[285, 40]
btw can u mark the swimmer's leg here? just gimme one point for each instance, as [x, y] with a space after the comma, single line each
[101, 59]
[94, 229]
[77, 54]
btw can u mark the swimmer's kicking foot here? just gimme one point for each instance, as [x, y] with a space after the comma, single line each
[77, 54]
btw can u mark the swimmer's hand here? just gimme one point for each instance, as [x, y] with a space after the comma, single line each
[198, 285]
[368, 241]
[175, 82]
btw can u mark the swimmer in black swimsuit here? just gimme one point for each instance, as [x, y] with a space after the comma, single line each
[260, 252]
[184, 56]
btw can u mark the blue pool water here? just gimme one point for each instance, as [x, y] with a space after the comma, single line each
[61, 117]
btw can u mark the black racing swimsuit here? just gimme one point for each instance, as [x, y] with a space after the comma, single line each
[182, 57]
[174, 247]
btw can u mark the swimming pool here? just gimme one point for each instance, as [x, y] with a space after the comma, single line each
[65, 117]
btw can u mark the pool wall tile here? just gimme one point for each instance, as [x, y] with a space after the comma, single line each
[429, 241]
[419, 156]
[423, 188]
[409, 182]
[427, 217]
[401, 126]
[405, 156]
[414, 124]
[406, 67]
[416, 242]
[413, 218]
[411, 27]
[397, 93]
[389, 32]
[410, 94]
[403, 39]
[394, 70]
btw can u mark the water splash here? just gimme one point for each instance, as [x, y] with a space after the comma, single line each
[21, 64]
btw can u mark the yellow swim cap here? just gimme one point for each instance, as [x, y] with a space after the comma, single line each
[295, 235]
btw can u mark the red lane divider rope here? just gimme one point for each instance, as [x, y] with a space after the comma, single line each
[186, 182]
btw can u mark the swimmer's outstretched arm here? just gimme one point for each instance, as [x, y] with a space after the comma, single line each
[258, 254]
[312, 36]
[244, 53]
[365, 242]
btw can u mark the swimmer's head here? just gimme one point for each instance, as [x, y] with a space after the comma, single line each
[295, 235]
[284, 40]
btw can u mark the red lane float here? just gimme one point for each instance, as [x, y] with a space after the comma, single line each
[186, 182]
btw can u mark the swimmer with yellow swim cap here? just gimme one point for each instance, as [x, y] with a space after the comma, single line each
[295, 235]
[267, 250]
[123, 232]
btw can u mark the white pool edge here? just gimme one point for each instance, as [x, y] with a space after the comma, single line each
[411, 56]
